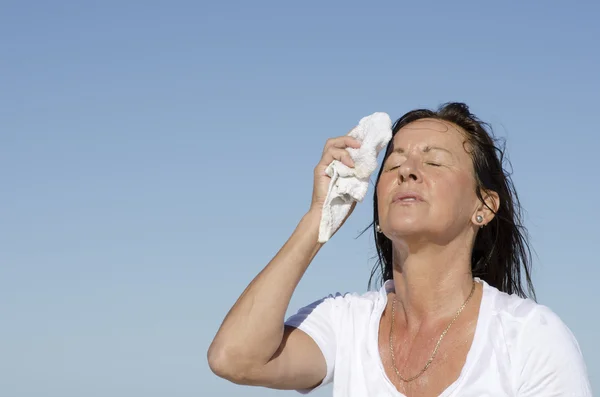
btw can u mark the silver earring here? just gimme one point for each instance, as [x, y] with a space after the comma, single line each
[377, 228]
[479, 218]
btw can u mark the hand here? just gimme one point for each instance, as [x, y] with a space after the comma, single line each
[335, 149]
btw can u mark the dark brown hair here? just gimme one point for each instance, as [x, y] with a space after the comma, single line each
[501, 254]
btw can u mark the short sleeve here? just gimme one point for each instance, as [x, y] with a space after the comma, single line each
[319, 321]
[550, 362]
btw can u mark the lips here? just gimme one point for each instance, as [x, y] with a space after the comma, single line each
[407, 197]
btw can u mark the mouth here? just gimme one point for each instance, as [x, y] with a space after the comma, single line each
[407, 198]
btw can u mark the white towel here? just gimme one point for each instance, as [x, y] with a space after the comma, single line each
[350, 184]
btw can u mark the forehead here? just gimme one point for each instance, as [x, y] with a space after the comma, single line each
[430, 131]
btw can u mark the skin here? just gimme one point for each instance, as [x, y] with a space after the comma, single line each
[252, 346]
[432, 242]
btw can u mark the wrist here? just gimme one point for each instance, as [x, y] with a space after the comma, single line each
[313, 215]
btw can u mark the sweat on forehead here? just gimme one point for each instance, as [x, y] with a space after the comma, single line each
[431, 124]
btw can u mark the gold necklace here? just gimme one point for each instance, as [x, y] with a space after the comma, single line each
[436, 346]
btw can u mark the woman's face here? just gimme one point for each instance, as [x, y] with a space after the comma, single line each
[427, 187]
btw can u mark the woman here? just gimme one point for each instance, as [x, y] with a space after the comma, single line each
[451, 318]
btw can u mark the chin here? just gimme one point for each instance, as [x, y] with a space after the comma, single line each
[405, 227]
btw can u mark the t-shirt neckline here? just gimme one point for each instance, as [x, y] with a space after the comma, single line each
[472, 355]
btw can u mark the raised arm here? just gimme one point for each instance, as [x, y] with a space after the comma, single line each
[253, 346]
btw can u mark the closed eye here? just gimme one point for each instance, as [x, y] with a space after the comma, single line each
[433, 164]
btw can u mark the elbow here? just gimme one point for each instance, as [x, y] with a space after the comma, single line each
[226, 365]
[218, 362]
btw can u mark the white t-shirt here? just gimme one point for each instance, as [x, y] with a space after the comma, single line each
[520, 348]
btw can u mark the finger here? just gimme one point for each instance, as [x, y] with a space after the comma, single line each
[341, 155]
[342, 142]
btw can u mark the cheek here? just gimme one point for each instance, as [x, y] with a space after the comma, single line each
[458, 193]
[380, 196]
[384, 185]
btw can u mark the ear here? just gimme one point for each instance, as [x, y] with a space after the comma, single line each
[487, 209]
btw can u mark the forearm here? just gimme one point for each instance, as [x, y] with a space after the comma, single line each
[253, 329]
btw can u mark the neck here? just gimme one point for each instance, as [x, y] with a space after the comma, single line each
[431, 282]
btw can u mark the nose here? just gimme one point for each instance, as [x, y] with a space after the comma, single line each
[409, 170]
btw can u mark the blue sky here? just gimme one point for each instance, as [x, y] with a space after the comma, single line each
[154, 156]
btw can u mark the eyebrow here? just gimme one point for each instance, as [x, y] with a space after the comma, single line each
[427, 149]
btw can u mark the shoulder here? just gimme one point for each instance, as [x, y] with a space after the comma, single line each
[511, 306]
[545, 355]
[526, 317]
[550, 361]
[526, 323]
[338, 307]
[545, 335]
[349, 301]
[356, 299]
